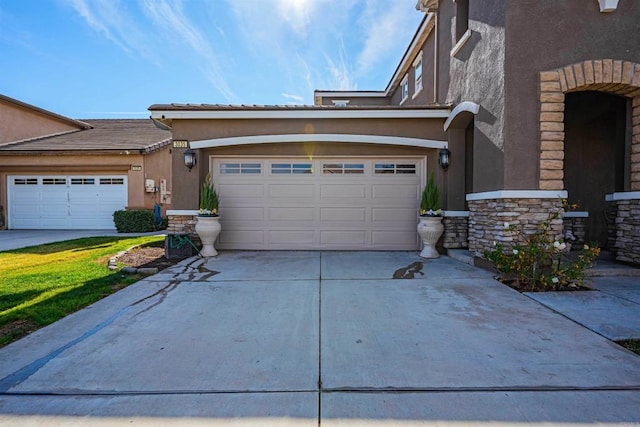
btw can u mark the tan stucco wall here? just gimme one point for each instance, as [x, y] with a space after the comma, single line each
[187, 182]
[195, 130]
[155, 166]
[17, 123]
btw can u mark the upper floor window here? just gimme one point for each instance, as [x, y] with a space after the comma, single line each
[404, 87]
[340, 102]
[417, 72]
[462, 18]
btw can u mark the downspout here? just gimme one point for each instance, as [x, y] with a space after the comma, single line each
[435, 59]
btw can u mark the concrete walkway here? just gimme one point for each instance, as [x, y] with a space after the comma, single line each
[301, 338]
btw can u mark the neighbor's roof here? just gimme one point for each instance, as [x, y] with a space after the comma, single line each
[139, 135]
[77, 123]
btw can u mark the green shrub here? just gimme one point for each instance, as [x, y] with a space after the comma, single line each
[430, 202]
[135, 221]
[209, 198]
[540, 262]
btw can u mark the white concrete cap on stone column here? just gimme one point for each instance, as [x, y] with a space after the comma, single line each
[608, 5]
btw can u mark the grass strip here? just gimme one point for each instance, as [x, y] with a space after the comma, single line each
[41, 284]
[633, 345]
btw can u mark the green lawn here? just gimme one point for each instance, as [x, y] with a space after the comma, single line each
[42, 284]
[633, 345]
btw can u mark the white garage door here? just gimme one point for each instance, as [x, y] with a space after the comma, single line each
[295, 203]
[65, 202]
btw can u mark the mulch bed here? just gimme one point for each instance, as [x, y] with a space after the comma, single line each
[525, 287]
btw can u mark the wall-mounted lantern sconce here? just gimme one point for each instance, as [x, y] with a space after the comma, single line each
[190, 158]
[443, 158]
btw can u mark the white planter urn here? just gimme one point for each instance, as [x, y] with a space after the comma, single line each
[430, 229]
[208, 228]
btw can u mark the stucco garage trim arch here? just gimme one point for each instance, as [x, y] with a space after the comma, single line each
[347, 138]
[604, 75]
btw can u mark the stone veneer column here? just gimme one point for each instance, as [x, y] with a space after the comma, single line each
[456, 229]
[181, 222]
[635, 144]
[526, 210]
[627, 226]
[576, 223]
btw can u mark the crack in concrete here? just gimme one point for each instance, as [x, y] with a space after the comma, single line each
[22, 374]
[409, 271]
[25, 372]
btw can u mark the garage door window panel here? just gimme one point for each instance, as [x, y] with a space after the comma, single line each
[54, 181]
[240, 168]
[291, 168]
[111, 181]
[395, 169]
[343, 168]
[25, 181]
[83, 181]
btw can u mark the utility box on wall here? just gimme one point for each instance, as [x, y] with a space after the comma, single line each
[150, 186]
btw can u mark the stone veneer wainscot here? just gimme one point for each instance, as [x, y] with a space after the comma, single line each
[488, 213]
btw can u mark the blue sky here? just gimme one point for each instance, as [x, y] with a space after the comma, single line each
[114, 58]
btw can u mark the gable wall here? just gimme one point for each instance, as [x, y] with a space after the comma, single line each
[17, 123]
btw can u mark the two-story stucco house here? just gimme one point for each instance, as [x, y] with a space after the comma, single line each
[528, 102]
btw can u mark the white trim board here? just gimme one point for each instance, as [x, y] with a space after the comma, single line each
[465, 106]
[347, 138]
[464, 214]
[518, 194]
[321, 113]
[627, 195]
[463, 40]
[182, 212]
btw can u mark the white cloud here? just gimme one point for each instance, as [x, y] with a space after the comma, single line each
[169, 16]
[111, 19]
[296, 98]
[385, 29]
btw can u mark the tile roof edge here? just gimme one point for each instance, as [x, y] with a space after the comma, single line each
[37, 138]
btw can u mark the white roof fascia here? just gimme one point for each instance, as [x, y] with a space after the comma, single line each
[421, 36]
[326, 94]
[303, 114]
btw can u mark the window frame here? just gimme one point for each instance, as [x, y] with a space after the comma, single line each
[418, 79]
[404, 88]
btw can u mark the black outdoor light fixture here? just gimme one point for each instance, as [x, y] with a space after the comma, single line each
[443, 158]
[190, 158]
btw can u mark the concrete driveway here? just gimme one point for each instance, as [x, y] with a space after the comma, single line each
[298, 338]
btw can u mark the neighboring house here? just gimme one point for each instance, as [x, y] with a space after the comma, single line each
[534, 100]
[59, 173]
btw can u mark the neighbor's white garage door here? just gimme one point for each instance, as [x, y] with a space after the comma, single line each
[65, 202]
[294, 203]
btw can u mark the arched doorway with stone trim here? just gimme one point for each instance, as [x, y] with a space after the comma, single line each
[585, 101]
